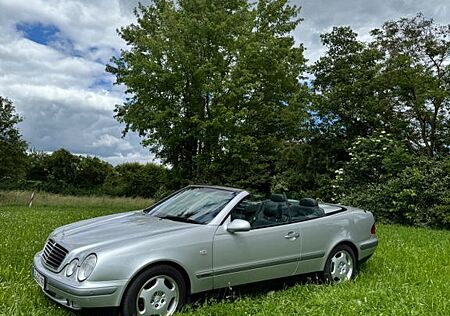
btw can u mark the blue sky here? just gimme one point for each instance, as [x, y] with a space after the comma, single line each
[38, 32]
[53, 55]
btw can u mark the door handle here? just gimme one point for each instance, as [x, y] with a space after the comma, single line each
[292, 235]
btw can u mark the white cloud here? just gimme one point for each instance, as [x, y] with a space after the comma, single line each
[76, 99]
[107, 140]
[362, 16]
[131, 157]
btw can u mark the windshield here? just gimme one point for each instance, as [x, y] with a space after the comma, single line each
[194, 205]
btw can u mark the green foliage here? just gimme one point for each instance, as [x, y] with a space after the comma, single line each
[304, 170]
[346, 80]
[398, 82]
[37, 166]
[415, 79]
[134, 179]
[384, 178]
[65, 173]
[12, 146]
[344, 105]
[61, 172]
[62, 167]
[92, 172]
[373, 160]
[213, 86]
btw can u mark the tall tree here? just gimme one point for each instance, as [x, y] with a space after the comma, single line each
[12, 146]
[346, 103]
[398, 82]
[270, 109]
[213, 85]
[416, 79]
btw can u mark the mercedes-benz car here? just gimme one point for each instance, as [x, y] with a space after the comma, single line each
[200, 238]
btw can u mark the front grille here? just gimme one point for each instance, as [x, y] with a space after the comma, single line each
[53, 254]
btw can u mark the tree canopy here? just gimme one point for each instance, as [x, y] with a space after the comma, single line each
[12, 146]
[399, 82]
[213, 86]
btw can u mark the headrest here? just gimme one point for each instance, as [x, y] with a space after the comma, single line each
[308, 202]
[276, 197]
[272, 209]
[252, 207]
[297, 210]
[242, 206]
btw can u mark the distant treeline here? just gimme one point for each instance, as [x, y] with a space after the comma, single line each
[64, 173]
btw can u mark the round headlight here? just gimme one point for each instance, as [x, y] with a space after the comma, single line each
[72, 267]
[87, 267]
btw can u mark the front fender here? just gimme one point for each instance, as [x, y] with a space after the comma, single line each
[191, 251]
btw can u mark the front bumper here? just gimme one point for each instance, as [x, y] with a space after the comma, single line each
[79, 295]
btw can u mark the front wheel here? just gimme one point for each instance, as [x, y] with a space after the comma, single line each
[340, 265]
[159, 290]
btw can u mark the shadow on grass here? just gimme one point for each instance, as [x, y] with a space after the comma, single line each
[252, 290]
[258, 289]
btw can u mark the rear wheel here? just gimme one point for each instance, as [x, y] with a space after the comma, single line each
[340, 265]
[159, 290]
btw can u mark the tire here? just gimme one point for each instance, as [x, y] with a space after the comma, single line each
[159, 290]
[340, 265]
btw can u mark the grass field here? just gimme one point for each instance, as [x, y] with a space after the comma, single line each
[408, 275]
[22, 198]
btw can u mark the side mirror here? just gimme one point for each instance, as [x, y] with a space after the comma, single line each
[238, 225]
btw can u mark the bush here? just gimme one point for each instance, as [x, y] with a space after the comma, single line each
[386, 179]
[134, 179]
[373, 159]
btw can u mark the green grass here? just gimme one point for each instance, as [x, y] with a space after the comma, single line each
[22, 198]
[408, 275]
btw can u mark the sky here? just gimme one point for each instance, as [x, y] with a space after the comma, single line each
[53, 55]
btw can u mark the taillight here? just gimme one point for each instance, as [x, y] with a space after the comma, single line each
[373, 230]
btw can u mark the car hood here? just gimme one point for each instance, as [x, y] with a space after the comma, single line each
[114, 229]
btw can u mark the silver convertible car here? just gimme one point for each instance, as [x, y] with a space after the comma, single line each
[199, 238]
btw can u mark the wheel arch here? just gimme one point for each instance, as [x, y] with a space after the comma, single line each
[348, 243]
[149, 265]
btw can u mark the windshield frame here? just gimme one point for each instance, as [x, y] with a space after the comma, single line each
[217, 206]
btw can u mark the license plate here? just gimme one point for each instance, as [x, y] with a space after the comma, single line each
[40, 279]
